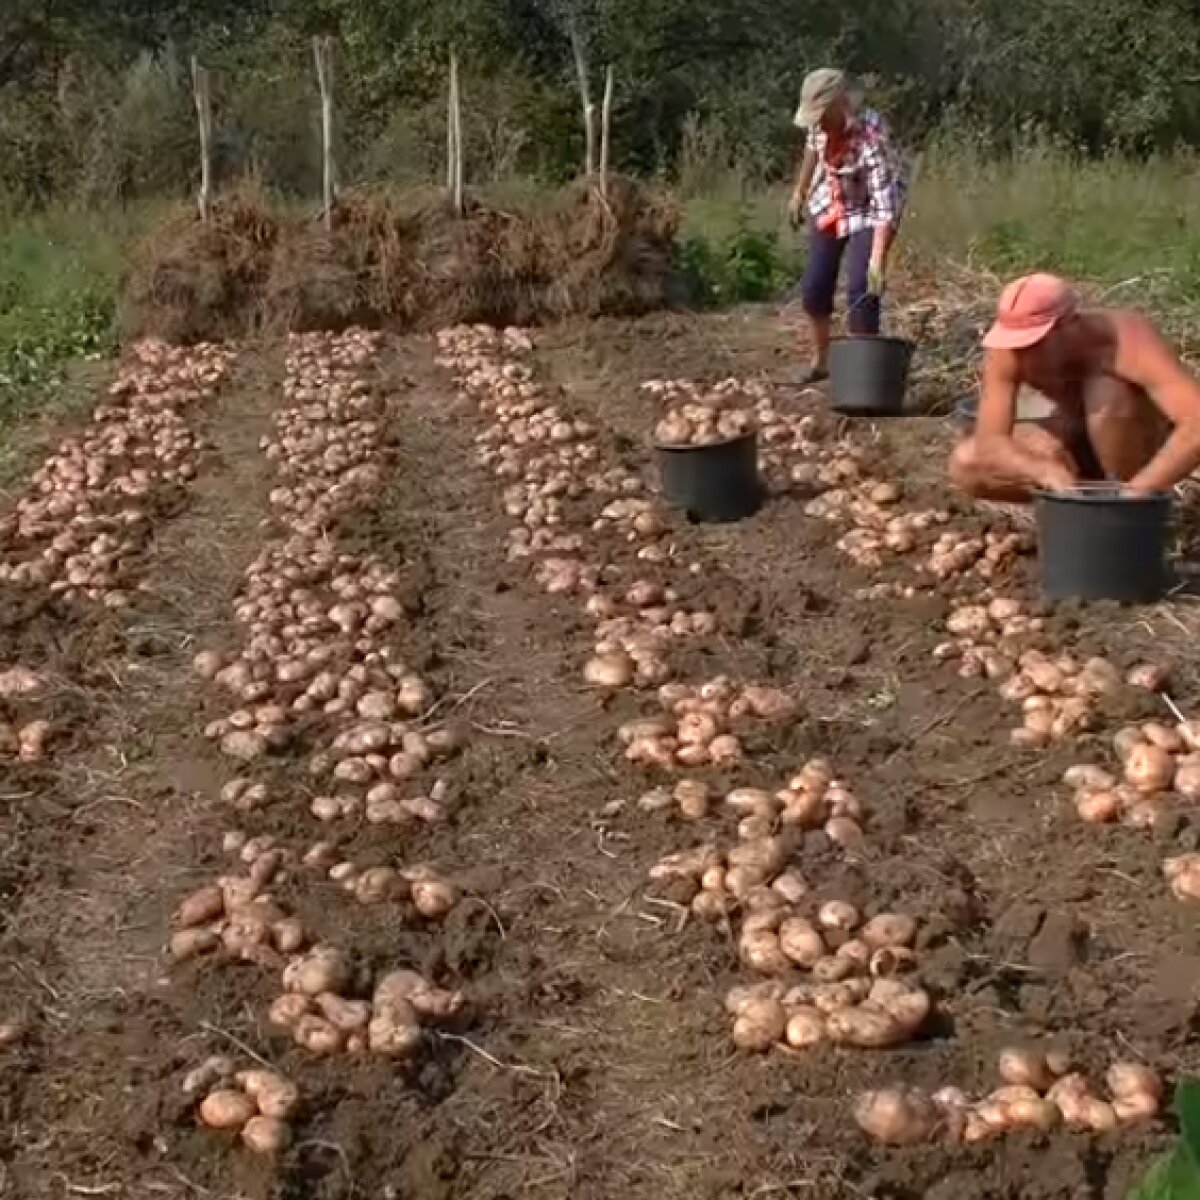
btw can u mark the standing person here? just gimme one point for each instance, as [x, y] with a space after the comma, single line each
[852, 186]
[1120, 405]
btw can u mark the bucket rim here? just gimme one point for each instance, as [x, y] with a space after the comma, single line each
[1099, 492]
[890, 338]
[749, 435]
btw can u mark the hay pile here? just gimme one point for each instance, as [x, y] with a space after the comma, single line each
[403, 261]
[196, 281]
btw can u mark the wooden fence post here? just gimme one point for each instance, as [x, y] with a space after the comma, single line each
[323, 54]
[606, 130]
[454, 141]
[585, 97]
[202, 92]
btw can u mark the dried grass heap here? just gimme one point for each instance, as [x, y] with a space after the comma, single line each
[403, 261]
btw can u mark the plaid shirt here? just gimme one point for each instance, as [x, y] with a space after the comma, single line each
[864, 188]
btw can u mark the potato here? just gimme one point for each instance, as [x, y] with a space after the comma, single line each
[349, 1016]
[394, 1029]
[760, 950]
[897, 1116]
[889, 930]
[287, 1009]
[1028, 1068]
[867, 1027]
[838, 915]
[266, 1135]
[1126, 1079]
[1098, 808]
[805, 1027]
[740, 998]
[833, 968]
[219, 1068]
[317, 1035]
[323, 969]
[201, 907]
[431, 1003]
[1149, 768]
[790, 887]
[1086, 776]
[191, 943]
[760, 1025]
[433, 898]
[801, 942]
[226, 1109]
[275, 1096]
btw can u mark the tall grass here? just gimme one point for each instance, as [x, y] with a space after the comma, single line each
[59, 276]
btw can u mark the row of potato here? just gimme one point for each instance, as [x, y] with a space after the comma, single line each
[857, 995]
[318, 672]
[78, 530]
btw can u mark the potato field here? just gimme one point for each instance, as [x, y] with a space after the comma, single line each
[400, 802]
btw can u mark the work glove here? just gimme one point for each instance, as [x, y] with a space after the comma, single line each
[875, 279]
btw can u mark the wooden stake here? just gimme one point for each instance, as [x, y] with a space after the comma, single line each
[323, 54]
[606, 130]
[202, 92]
[456, 140]
[451, 142]
[585, 97]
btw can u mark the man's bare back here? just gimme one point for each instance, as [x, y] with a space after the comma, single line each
[1114, 386]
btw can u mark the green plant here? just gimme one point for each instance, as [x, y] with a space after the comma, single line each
[746, 266]
[1177, 1177]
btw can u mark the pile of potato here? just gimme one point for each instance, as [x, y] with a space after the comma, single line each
[1039, 1092]
[238, 915]
[88, 509]
[708, 422]
[255, 1104]
[698, 726]
[956, 555]
[318, 1011]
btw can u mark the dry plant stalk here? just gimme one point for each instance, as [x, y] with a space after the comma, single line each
[202, 91]
[323, 54]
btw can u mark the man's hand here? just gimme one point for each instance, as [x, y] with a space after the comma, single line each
[1057, 477]
[875, 278]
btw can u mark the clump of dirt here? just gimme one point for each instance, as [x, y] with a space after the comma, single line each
[199, 280]
[403, 261]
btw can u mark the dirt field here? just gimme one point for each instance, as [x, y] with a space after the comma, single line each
[594, 1060]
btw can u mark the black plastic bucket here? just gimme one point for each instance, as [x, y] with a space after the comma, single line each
[868, 375]
[712, 483]
[1096, 544]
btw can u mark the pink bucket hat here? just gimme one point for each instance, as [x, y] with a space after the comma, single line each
[1028, 309]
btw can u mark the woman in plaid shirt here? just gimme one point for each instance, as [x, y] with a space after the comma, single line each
[851, 183]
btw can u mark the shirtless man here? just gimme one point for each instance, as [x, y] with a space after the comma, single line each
[1119, 404]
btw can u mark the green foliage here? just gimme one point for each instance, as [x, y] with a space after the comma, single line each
[746, 266]
[1177, 1176]
[58, 284]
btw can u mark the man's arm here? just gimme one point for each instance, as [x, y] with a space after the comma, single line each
[1145, 358]
[997, 454]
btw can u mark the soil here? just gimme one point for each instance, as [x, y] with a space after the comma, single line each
[597, 1061]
